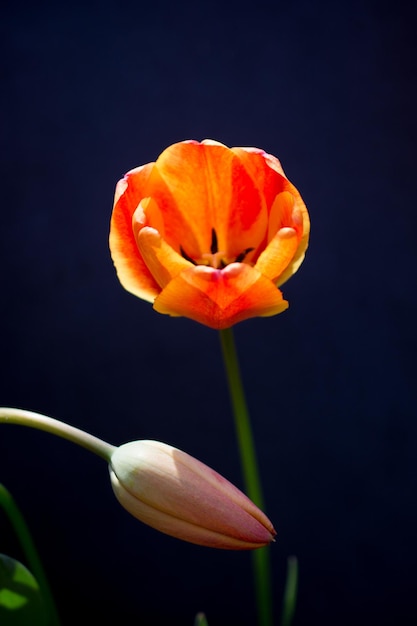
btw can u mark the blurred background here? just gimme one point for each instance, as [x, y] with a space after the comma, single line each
[90, 90]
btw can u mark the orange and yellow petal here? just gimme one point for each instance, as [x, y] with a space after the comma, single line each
[130, 267]
[287, 239]
[220, 298]
[301, 223]
[201, 186]
[148, 214]
[161, 260]
[278, 255]
[281, 215]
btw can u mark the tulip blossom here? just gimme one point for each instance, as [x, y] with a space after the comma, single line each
[180, 496]
[209, 232]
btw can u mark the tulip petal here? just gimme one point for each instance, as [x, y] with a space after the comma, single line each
[265, 171]
[300, 216]
[284, 233]
[148, 213]
[281, 215]
[220, 298]
[278, 254]
[161, 260]
[204, 186]
[131, 269]
[262, 166]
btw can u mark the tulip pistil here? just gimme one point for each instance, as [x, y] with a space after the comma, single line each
[240, 257]
[186, 256]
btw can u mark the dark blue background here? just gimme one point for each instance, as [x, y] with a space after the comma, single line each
[92, 89]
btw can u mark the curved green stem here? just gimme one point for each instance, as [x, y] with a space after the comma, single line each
[33, 561]
[55, 427]
[251, 476]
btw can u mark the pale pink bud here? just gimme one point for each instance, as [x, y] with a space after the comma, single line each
[180, 496]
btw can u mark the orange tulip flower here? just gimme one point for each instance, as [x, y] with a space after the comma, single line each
[209, 232]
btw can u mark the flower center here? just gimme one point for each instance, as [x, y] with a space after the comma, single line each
[215, 258]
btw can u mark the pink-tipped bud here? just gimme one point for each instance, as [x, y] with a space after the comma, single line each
[180, 496]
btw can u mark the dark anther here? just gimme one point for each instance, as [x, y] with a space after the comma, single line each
[186, 257]
[214, 247]
[242, 255]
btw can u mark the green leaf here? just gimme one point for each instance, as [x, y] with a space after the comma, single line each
[200, 620]
[20, 599]
[290, 592]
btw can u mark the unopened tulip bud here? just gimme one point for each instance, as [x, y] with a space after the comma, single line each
[180, 496]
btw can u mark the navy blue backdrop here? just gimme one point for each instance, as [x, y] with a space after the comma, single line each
[90, 90]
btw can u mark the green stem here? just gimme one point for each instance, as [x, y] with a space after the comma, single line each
[251, 476]
[34, 563]
[55, 427]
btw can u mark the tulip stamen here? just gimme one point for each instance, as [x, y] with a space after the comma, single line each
[214, 248]
[215, 258]
[240, 257]
[186, 256]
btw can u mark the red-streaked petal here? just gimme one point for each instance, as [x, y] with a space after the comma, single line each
[220, 298]
[161, 260]
[131, 269]
[201, 186]
[267, 172]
